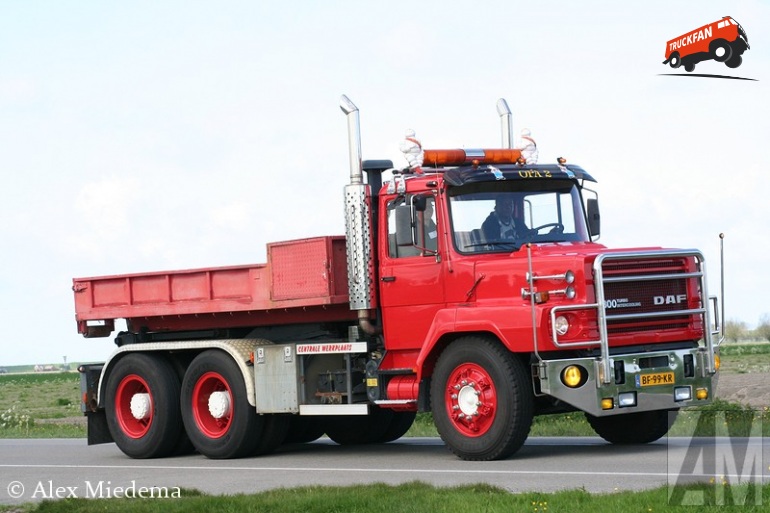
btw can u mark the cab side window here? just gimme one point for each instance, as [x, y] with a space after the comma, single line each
[410, 232]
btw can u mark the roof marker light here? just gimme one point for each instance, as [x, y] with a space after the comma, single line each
[437, 158]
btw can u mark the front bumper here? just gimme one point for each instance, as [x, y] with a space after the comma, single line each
[639, 382]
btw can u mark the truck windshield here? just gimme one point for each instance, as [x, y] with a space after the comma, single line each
[502, 216]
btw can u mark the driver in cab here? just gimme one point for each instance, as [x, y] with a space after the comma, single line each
[505, 222]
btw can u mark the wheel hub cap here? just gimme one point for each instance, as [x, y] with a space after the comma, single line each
[140, 406]
[468, 400]
[219, 404]
[471, 399]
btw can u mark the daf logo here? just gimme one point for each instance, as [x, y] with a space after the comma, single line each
[669, 300]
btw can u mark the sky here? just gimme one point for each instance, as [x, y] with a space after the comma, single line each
[158, 135]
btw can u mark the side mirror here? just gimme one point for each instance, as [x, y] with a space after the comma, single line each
[404, 225]
[419, 202]
[594, 218]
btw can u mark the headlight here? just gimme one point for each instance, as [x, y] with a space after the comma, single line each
[561, 325]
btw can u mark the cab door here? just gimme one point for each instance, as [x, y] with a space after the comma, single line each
[411, 269]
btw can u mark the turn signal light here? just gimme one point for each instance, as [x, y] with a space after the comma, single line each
[608, 403]
[701, 394]
[717, 362]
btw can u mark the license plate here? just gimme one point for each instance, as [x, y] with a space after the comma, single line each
[656, 378]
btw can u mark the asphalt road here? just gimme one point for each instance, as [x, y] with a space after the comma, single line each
[32, 470]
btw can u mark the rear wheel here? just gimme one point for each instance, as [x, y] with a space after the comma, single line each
[482, 399]
[359, 429]
[399, 424]
[143, 406]
[675, 61]
[215, 408]
[304, 429]
[633, 428]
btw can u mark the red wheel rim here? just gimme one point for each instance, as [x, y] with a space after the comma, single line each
[471, 399]
[128, 387]
[212, 426]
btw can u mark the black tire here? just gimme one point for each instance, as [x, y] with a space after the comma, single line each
[720, 50]
[675, 61]
[633, 428]
[303, 430]
[273, 433]
[238, 430]
[476, 378]
[689, 67]
[399, 425]
[734, 61]
[359, 429]
[160, 431]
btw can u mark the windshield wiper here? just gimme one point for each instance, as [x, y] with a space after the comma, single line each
[515, 246]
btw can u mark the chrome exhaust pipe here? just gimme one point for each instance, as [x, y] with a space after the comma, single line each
[358, 225]
[506, 123]
[354, 140]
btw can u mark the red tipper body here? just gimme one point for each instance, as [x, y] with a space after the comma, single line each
[303, 281]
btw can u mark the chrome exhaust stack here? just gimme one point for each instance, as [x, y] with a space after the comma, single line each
[354, 140]
[358, 225]
[506, 123]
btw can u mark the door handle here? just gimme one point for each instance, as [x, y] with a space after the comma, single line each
[388, 278]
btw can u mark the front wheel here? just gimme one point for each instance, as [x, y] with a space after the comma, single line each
[720, 50]
[633, 428]
[734, 61]
[482, 399]
[215, 408]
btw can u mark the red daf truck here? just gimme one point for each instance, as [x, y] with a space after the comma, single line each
[723, 41]
[420, 307]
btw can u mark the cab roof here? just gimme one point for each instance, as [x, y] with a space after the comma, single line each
[473, 174]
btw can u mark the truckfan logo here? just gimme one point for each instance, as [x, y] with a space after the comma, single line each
[723, 40]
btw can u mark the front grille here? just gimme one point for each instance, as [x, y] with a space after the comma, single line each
[643, 287]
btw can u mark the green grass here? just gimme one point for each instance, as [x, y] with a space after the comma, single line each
[419, 497]
[745, 358]
[44, 405]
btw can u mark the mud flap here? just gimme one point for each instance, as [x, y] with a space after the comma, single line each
[98, 432]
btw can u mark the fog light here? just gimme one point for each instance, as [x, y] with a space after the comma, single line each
[626, 399]
[573, 376]
[682, 394]
[608, 403]
[561, 325]
[701, 394]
